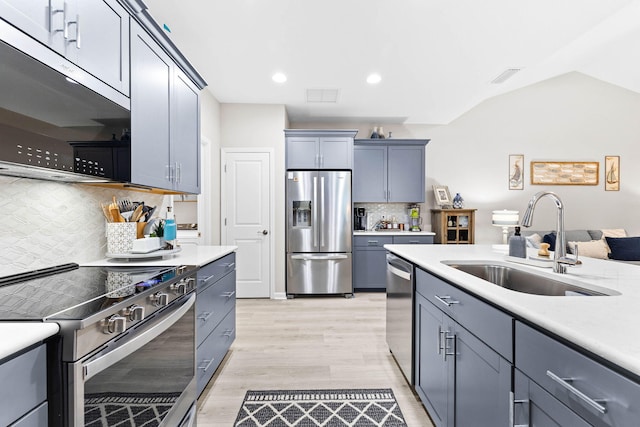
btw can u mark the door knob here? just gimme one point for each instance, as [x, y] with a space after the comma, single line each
[265, 232]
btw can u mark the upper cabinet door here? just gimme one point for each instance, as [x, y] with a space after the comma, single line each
[150, 100]
[99, 40]
[336, 153]
[406, 173]
[185, 133]
[369, 173]
[43, 20]
[302, 152]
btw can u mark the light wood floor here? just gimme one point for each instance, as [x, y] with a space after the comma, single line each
[307, 343]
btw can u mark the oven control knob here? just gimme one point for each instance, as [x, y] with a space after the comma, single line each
[179, 288]
[134, 312]
[191, 283]
[159, 299]
[114, 325]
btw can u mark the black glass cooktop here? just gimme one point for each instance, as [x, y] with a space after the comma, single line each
[73, 292]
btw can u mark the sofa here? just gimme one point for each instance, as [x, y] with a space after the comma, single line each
[613, 244]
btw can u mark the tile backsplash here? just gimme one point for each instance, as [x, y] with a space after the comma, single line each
[375, 212]
[49, 223]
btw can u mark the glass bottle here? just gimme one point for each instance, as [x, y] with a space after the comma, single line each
[170, 226]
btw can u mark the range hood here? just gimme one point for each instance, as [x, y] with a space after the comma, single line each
[53, 128]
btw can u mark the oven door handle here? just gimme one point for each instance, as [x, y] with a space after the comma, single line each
[98, 365]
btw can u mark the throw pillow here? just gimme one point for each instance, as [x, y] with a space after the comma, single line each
[624, 248]
[551, 240]
[534, 240]
[592, 249]
[614, 232]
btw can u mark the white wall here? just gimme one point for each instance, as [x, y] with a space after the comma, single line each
[571, 117]
[253, 125]
[210, 170]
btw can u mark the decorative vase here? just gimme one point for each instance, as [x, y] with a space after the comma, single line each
[375, 134]
[458, 201]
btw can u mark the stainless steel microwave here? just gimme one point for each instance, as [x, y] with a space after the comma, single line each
[51, 125]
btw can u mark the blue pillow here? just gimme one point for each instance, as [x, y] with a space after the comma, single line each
[551, 240]
[624, 248]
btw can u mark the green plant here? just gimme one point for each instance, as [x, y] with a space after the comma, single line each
[158, 231]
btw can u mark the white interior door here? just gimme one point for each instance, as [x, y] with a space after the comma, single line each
[246, 194]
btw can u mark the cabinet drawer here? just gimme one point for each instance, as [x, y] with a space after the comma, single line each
[23, 384]
[541, 357]
[415, 240]
[213, 304]
[211, 352]
[212, 272]
[491, 325]
[372, 241]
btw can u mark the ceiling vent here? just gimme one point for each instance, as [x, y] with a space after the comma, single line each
[322, 95]
[506, 74]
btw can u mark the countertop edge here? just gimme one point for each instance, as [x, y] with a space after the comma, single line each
[16, 336]
[199, 255]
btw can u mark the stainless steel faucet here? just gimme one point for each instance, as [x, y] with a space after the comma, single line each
[560, 259]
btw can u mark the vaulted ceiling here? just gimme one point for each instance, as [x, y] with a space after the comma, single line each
[436, 58]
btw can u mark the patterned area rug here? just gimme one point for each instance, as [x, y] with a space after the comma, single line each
[127, 410]
[331, 408]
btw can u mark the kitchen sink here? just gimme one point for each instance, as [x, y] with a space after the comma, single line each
[518, 280]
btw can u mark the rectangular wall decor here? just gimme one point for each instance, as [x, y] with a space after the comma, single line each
[516, 172]
[612, 173]
[565, 173]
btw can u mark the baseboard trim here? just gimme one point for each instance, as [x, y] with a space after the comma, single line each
[279, 295]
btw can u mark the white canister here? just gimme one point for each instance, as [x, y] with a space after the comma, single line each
[120, 237]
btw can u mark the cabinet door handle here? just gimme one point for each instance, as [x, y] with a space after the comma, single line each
[52, 12]
[178, 173]
[446, 347]
[66, 31]
[205, 316]
[206, 364]
[512, 409]
[440, 340]
[564, 382]
[446, 300]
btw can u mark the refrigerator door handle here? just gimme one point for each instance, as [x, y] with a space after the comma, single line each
[319, 258]
[314, 210]
[322, 218]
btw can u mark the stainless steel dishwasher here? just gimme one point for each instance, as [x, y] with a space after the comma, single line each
[400, 289]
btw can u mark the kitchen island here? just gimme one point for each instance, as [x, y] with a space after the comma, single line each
[576, 358]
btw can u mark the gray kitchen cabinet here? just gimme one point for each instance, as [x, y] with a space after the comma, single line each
[556, 375]
[389, 171]
[215, 316]
[369, 259]
[463, 376]
[369, 262]
[92, 34]
[319, 149]
[165, 119]
[535, 407]
[23, 389]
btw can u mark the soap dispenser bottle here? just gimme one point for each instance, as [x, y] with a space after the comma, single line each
[517, 245]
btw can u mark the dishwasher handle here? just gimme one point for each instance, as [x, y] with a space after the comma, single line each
[399, 268]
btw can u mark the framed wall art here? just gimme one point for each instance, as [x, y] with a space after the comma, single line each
[516, 172]
[565, 173]
[442, 196]
[612, 173]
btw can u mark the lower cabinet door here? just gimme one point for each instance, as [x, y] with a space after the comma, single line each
[434, 373]
[210, 353]
[482, 382]
[370, 268]
[534, 407]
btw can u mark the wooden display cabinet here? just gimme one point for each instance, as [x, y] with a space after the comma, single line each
[453, 226]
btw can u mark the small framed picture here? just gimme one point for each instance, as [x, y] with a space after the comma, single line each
[516, 172]
[443, 198]
[612, 173]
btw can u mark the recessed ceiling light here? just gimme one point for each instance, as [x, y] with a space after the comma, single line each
[279, 78]
[374, 79]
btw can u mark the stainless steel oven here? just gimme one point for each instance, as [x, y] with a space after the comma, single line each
[125, 354]
[146, 375]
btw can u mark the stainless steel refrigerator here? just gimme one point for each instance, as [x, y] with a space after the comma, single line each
[319, 232]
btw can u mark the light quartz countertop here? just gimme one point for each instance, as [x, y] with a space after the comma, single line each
[393, 233]
[189, 255]
[15, 336]
[607, 326]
